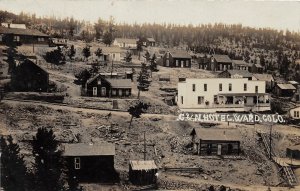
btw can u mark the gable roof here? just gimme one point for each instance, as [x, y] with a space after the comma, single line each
[243, 73]
[29, 62]
[151, 39]
[142, 165]
[180, 54]
[241, 63]
[286, 86]
[84, 149]
[258, 66]
[119, 83]
[222, 58]
[126, 40]
[217, 134]
[264, 77]
[18, 31]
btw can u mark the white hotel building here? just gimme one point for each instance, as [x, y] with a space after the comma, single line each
[222, 95]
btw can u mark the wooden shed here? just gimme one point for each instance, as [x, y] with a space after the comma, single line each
[142, 172]
[216, 141]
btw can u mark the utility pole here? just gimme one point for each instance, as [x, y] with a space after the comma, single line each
[112, 66]
[270, 146]
[144, 145]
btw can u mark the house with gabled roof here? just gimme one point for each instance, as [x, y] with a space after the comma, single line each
[177, 59]
[90, 162]
[98, 86]
[284, 90]
[22, 36]
[126, 42]
[257, 68]
[235, 74]
[241, 65]
[268, 78]
[220, 62]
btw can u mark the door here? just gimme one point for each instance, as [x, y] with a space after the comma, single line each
[103, 91]
[94, 91]
[219, 150]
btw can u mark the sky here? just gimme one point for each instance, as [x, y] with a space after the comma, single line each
[280, 15]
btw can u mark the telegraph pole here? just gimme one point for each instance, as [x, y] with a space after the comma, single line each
[270, 146]
[144, 145]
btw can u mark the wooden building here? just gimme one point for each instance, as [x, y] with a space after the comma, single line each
[268, 78]
[220, 62]
[293, 152]
[284, 90]
[235, 74]
[21, 36]
[90, 162]
[28, 76]
[98, 86]
[241, 65]
[216, 141]
[150, 42]
[257, 68]
[142, 172]
[177, 59]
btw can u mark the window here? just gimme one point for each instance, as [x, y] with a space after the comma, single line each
[256, 89]
[245, 87]
[127, 92]
[177, 63]
[295, 113]
[114, 92]
[205, 87]
[220, 87]
[120, 92]
[181, 99]
[168, 55]
[186, 63]
[182, 64]
[1, 38]
[41, 39]
[230, 87]
[77, 163]
[194, 87]
[16, 38]
[167, 63]
[200, 100]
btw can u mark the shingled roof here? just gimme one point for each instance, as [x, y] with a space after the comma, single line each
[84, 149]
[143, 165]
[25, 32]
[244, 73]
[180, 54]
[241, 63]
[119, 83]
[286, 86]
[222, 58]
[217, 134]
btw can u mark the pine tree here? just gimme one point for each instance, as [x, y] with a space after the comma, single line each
[14, 176]
[137, 110]
[48, 161]
[71, 52]
[143, 80]
[55, 57]
[86, 51]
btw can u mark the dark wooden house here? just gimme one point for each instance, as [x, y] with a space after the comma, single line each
[142, 172]
[150, 42]
[90, 162]
[257, 68]
[216, 141]
[28, 76]
[293, 152]
[220, 62]
[235, 74]
[177, 59]
[284, 90]
[98, 86]
[22, 36]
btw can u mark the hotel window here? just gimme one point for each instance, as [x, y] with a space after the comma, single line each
[220, 87]
[205, 87]
[16, 38]
[200, 100]
[230, 87]
[181, 99]
[194, 87]
[77, 163]
[256, 89]
[245, 87]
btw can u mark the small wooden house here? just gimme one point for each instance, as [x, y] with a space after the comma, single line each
[177, 59]
[235, 74]
[220, 62]
[216, 141]
[284, 90]
[257, 68]
[241, 65]
[293, 152]
[268, 78]
[29, 77]
[142, 172]
[22, 36]
[90, 162]
[98, 86]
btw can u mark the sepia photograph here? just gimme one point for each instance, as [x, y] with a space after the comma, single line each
[157, 95]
